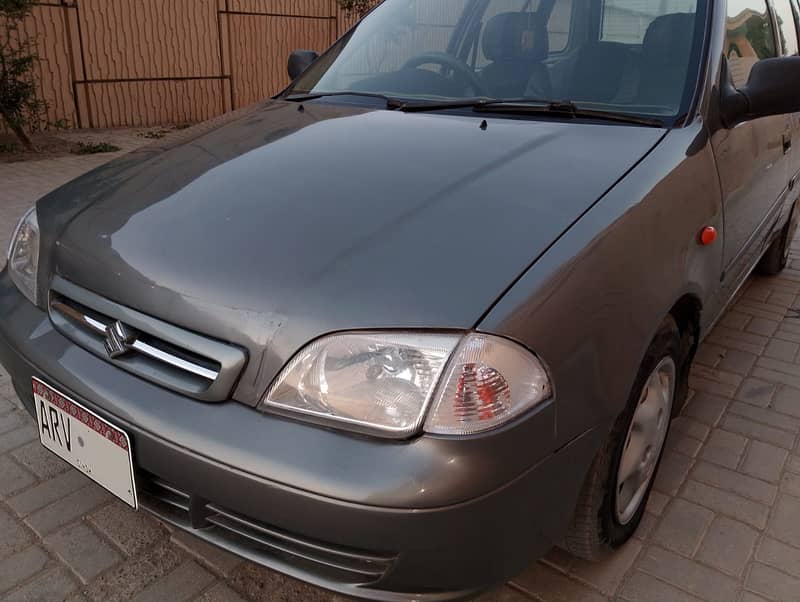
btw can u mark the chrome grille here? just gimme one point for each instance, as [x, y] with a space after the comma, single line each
[257, 541]
[157, 351]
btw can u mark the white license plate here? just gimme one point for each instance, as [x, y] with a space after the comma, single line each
[91, 444]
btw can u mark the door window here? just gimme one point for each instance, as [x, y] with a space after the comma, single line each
[786, 27]
[750, 37]
[627, 21]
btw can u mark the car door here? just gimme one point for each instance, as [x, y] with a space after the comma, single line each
[751, 157]
[787, 15]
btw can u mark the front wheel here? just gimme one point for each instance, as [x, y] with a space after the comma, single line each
[617, 488]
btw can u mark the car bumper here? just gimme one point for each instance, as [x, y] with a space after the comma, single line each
[223, 487]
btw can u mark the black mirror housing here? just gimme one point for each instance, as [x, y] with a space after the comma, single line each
[773, 88]
[299, 61]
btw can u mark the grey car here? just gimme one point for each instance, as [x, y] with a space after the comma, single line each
[428, 312]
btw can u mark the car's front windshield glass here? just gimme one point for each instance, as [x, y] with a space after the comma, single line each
[637, 57]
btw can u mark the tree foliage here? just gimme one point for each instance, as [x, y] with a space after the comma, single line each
[19, 105]
[357, 7]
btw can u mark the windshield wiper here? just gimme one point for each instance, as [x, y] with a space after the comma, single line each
[526, 106]
[391, 103]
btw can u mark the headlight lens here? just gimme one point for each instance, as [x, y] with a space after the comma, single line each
[372, 381]
[23, 255]
[387, 383]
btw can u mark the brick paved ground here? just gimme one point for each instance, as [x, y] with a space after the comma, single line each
[722, 525]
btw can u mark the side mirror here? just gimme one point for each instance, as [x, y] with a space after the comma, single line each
[773, 88]
[299, 61]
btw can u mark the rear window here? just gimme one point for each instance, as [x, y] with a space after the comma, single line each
[627, 21]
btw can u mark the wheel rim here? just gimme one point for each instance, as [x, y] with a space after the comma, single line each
[645, 440]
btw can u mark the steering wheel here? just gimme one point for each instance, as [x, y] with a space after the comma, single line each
[454, 63]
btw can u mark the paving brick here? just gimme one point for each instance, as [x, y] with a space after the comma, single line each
[54, 584]
[706, 408]
[123, 581]
[13, 536]
[672, 472]
[185, 582]
[781, 350]
[5, 405]
[646, 526]
[690, 576]
[67, 509]
[764, 461]
[11, 421]
[678, 442]
[690, 428]
[21, 566]
[751, 597]
[17, 437]
[13, 477]
[763, 326]
[217, 559]
[756, 430]
[222, 593]
[737, 362]
[736, 339]
[765, 416]
[756, 392]
[772, 583]
[790, 484]
[710, 354]
[727, 503]
[736, 482]
[728, 545]
[641, 587]
[779, 555]
[131, 531]
[607, 574]
[782, 299]
[657, 502]
[37, 497]
[83, 551]
[787, 401]
[776, 377]
[40, 461]
[793, 465]
[765, 310]
[714, 382]
[682, 527]
[784, 524]
[724, 448]
[735, 320]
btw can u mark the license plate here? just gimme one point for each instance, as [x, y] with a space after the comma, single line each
[89, 443]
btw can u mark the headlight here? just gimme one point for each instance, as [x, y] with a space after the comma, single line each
[23, 255]
[389, 383]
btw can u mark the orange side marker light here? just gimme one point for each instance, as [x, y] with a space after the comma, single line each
[708, 235]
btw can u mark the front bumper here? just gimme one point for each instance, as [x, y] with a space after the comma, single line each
[425, 519]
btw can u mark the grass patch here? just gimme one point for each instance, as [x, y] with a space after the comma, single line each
[94, 148]
[153, 134]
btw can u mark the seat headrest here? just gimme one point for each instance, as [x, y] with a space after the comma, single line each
[669, 37]
[515, 36]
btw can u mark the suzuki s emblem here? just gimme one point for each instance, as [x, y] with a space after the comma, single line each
[118, 339]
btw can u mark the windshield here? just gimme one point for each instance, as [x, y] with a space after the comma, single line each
[636, 57]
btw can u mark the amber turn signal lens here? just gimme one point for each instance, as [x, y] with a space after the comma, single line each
[708, 235]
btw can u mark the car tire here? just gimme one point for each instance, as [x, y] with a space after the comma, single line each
[776, 256]
[611, 507]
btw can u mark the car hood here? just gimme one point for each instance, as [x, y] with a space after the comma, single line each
[286, 223]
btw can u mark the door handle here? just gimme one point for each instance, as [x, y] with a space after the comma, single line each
[787, 143]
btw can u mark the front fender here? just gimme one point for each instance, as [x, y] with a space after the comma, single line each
[592, 303]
